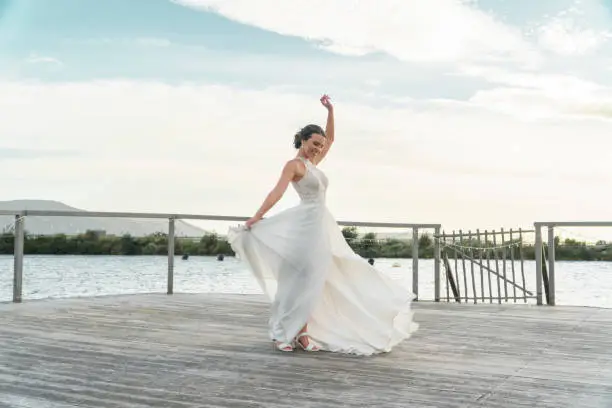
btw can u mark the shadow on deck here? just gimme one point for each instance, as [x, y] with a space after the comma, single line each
[204, 350]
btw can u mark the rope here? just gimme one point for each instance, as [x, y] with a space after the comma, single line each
[445, 242]
[452, 245]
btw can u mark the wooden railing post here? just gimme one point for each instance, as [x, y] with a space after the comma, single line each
[171, 256]
[415, 262]
[538, 259]
[551, 265]
[18, 258]
[437, 264]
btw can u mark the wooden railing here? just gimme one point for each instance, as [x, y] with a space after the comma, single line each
[485, 266]
[546, 276]
[20, 220]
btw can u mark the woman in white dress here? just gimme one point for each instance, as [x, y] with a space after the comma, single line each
[324, 296]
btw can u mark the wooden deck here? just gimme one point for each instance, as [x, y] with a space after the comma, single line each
[212, 351]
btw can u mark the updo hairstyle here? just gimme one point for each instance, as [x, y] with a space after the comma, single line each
[306, 133]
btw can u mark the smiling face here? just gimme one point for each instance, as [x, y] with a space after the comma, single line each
[310, 140]
[314, 145]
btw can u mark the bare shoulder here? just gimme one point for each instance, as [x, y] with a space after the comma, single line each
[295, 164]
[296, 168]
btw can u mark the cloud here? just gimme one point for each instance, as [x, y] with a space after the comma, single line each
[41, 59]
[29, 154]
[410, 30]
[562, 37]
[571, 33]
[446, 36]
[151, 146]
[122, 41]
[530, 95]
[547, 80]
[545, 104]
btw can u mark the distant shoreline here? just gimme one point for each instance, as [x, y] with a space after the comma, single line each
[211, 244]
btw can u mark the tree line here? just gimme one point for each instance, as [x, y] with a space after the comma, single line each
[367, 245]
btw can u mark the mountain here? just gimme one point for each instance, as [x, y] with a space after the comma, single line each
[77, 225]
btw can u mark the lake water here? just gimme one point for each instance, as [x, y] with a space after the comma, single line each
[577, 283]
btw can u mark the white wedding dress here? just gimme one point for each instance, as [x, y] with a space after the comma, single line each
[311, 275]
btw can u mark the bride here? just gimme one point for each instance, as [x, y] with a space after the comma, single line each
[323, 295]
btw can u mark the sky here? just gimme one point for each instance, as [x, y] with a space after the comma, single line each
[472, 114]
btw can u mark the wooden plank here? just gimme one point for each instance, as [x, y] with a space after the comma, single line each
[503, 251]
[449, 278]
[497, 268]
[457, 279]
[199, 350]
[471, 244]
[512, 264]
[522, 256]
[489, 266]
[482, 282]
[465, 285]
[545, 275]
[444, 254]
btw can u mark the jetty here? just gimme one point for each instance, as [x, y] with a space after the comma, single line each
[212, 350]
[493, 336]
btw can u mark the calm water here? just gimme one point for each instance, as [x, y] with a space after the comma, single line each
[578, 283]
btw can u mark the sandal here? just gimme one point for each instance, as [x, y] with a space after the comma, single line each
[311, 345]
[282, 346]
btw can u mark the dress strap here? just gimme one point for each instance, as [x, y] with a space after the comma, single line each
[305, 161]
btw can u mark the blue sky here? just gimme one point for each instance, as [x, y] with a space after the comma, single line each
[189, 105]
[163, 40]
[144, 39]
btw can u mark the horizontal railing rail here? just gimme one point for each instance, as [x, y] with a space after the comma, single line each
[19, 232]
[177, 216]
[573, 224]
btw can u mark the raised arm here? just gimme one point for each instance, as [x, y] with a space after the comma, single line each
[288, 173]
[329, 128]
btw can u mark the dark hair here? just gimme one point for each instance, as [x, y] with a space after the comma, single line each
[306, 133]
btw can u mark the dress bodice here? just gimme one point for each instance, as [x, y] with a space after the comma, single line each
[311, 187]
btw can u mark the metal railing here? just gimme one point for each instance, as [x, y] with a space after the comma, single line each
[547, 280]
[19, 232]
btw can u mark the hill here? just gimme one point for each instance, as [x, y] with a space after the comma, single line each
[78, 225]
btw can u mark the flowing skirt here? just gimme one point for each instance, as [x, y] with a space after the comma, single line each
[312, 276]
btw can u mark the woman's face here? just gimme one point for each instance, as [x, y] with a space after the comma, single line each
[313, 146]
